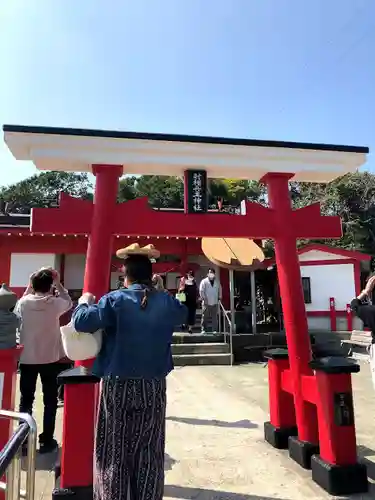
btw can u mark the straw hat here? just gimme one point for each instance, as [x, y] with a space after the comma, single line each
[134, 249]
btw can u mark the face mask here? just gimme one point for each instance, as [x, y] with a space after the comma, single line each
[211, 276]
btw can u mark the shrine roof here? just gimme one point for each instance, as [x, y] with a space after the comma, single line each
[70, 149]
[341, 252]
[14, 221]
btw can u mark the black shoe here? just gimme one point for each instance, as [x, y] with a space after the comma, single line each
[48, 447]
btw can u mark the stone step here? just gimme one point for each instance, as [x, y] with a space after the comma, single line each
[197, 338]
[201, 348]
[201, 359]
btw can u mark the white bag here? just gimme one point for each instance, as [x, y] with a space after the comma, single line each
[79, 346]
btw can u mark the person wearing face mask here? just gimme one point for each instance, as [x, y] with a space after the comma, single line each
[210, 294]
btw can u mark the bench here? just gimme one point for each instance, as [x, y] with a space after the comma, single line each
[358, 338]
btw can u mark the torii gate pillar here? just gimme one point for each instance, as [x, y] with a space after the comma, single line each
[293, 305]
[311, 411]
[80, 385]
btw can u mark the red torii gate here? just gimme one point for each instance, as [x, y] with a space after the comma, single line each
[301, 400]
[304, 396]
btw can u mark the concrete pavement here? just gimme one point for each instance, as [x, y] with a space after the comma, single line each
[215, 447]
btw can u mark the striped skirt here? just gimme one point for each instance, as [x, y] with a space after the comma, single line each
[130, 440]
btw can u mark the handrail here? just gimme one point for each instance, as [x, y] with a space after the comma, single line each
[10, 457]
[230, 324]
[225, 312]
[10, 450]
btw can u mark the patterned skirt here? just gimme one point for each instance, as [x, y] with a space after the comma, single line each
[130, 440]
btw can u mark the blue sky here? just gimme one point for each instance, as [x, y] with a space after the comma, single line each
[270, 69]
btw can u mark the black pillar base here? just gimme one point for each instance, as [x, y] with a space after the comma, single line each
[276, 437]
[339, 479]
[302, 451]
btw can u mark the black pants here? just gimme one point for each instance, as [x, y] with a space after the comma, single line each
[192, 309]
[48, 375]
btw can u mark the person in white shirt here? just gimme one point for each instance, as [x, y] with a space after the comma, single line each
[39, 310]
[210, 294]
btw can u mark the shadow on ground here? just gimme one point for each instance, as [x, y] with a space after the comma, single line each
[169, 462]
[45, 462]
[240, 424]
[203, 494]
[364, 453]
[48, 461]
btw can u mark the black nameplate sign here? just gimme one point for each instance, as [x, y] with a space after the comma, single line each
[344, 410]
[197, 199]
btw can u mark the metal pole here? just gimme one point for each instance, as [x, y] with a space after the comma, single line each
[253, 302]
[219, 317]
[231, 292]
[232, 314]
[31, 457]
[13, 479]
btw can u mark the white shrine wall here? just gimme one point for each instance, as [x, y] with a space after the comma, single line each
[334, 277]
[22, 265]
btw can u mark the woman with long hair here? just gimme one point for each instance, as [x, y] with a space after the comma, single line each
[189, 287]
[135, 359]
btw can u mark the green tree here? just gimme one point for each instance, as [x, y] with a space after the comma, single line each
[43, 190]
[233, 191]
[127, 189]
[352, 197]
[167, 192]
[238, 190]
[162, 191]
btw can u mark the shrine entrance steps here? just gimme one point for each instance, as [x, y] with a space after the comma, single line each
[200, 349]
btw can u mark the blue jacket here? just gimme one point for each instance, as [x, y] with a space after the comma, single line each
[136, 342]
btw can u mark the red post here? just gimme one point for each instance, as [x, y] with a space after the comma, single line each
[5, 258]
[336, 467]
[336, 418]
[293, 304]
[8, 385]
[80, 396]
[332, 314]
[282, 414]
[224, 282]
[349, 316]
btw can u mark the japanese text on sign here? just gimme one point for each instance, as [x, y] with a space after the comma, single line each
[197, 191]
